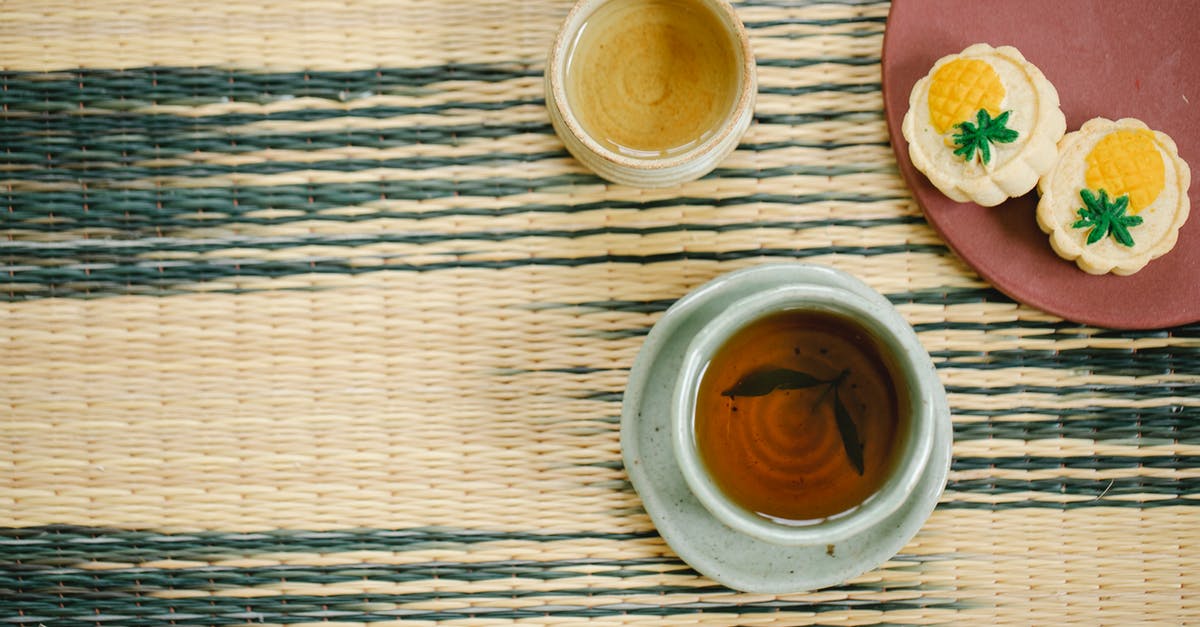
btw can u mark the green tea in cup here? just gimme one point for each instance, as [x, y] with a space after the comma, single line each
[651, 78]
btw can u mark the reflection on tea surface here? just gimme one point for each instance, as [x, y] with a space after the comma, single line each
[648, 78]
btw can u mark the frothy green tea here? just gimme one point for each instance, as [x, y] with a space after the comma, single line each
[798, 416]
[648, 78]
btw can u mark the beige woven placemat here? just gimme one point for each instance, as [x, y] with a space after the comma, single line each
[309, 318]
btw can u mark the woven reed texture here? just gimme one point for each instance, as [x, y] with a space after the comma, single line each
[309, 318]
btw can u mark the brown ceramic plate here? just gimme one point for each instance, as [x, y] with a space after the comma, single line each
[1106, 58]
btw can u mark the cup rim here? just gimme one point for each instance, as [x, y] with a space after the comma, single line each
[556, 71]
[898, 340]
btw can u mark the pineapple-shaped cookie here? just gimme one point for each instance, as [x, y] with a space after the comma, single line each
[983, 124]
[1116, 198]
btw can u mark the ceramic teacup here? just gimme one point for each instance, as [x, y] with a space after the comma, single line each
[691, 159]
[913, 371]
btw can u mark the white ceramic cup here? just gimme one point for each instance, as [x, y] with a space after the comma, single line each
[912, 369]
[656, 171]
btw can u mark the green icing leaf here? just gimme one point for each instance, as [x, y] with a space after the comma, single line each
[979, 137]
[1105, 217]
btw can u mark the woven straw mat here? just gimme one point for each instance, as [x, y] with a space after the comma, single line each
[309, 318]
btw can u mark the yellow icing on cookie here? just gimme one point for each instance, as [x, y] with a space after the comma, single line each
[1127, 162]
[961, 88]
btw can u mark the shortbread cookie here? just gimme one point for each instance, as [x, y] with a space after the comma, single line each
[1116, 198]
[983, 125]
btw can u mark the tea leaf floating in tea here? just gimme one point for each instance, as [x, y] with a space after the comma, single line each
[833, 383]
[764, 382]
[854, 448]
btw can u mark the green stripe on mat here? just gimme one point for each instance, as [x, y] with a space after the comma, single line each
[92, 140]
[39, 575]
[36, 574]
[126, 138]
[150, 209]
[113, 117]
[136, 610]
[75, 137]
[113, 174]
[99, 150]
[40, 579]
[128, 89]
[116, 250]
[65, 544]
[1144, 425]
[165, 85]
[1140, 391]
[1048, 501]
[1090, 462]
[1153, 487]
[80, 279]
[126, 122]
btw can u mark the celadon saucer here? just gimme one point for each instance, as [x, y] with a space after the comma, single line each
[727, 556]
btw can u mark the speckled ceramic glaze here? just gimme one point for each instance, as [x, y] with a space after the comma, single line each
[730, 545]
[649, 172]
